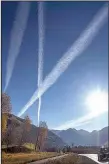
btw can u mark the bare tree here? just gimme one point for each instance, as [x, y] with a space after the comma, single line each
[5, 103]
[9, 133]
[27, 123]
[26, 128]
[6, 110]
[41, 135]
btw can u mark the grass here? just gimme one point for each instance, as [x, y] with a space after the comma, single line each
[29, 146]
[27, 157]
[24, 158]
[71, 159]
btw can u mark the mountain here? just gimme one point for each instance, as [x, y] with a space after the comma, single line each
[83, 137]
[52, 139]
[58, 138]
[83, 132]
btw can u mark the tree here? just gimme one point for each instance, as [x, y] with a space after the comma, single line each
[72, 145]
[4, 122]
[67, 149]
[6, 103]
[41, 135]
[26, 128]
[27, 123]
[5, 110]
[9, 133]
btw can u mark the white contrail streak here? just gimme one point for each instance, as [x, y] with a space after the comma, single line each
[17, 34]
[41, 42]
[90, 116]
[40, 51]
[76, 49]
[39, 107]
[80, 121]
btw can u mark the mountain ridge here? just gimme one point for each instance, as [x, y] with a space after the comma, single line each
[83, 137]
[60, 138]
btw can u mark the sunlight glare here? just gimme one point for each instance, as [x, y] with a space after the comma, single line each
[97, 101]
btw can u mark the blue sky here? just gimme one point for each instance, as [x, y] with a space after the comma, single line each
[64, 21]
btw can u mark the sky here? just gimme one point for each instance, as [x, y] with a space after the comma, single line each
[63, 23]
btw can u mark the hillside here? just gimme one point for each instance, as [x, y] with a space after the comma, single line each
[83, 137]
[52, 140]
[59, 138]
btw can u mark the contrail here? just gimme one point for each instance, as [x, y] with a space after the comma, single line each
[81, 121]
[40, 50]
[17, 34]
[39, 107]
[88, 117]
[75, 50]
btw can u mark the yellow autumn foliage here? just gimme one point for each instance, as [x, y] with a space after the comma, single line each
[4, 121]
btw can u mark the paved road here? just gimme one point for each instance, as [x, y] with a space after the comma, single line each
[94, 157]
[45, 160]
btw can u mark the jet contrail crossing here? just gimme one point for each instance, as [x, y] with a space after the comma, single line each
[74, 51]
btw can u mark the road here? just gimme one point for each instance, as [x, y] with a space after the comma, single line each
[94, 158]
[45, 160]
